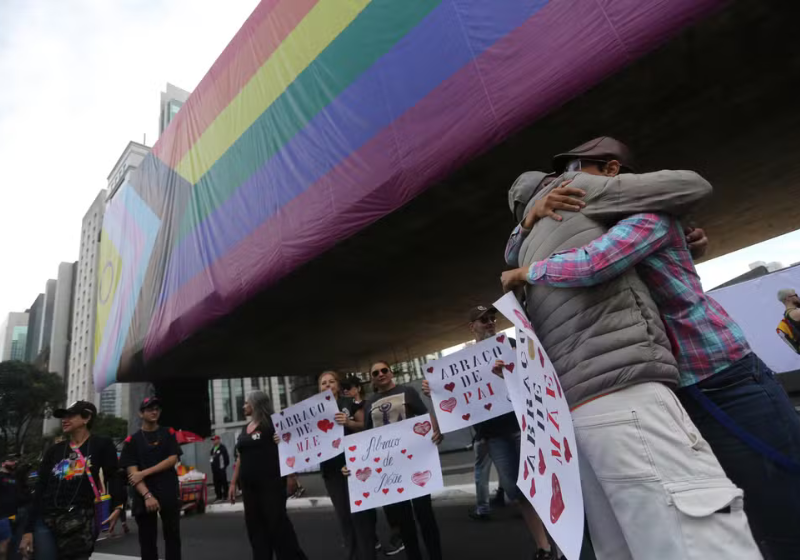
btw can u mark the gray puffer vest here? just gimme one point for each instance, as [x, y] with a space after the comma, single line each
[609, 336]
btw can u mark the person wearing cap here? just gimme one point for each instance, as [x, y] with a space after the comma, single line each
[614, 355]
[150, 456]
[219, 468]
[789, 327]
[68, 485]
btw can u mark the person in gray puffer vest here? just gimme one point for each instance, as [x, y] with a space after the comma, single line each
[652, 485]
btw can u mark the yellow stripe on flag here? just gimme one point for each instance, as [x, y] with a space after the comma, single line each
[311, 36]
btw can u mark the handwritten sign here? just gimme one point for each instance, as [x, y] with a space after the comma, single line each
[391, 464]
[308, 434]
[549, 476]
[463, 388]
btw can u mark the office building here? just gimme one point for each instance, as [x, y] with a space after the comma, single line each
[35, 321]
[80, 383]
[227, 399]
[171, 102]
[13, 336]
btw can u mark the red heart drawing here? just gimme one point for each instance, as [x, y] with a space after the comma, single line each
[378, 470]
[377, 459]
[327, 397]
[541, 357]
[526, 472]
[282, 411]
[325, 425]
[447, 405]
[533, 487]
[542, 466]
[510, 367]
[286, 437]
[450, 386]
[352, 459]
[307, 459]
[363, 474]
[501, 338]
[567, 452]
[400, 490]
[358, 502]
[465, 417]
[352, 448]
[421, 478]
[403, 451]
[556, 501]
[385, 490]
[336, 443]
[524, 425]
[488, 406]
[410, 456]
[366, 494]
[558, 384]
[422, 428]
[319, 454]
[290, 462]
[430, 370]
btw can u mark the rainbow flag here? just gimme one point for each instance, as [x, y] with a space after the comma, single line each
[321, 117]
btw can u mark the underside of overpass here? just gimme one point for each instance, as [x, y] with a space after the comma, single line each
[721, 99]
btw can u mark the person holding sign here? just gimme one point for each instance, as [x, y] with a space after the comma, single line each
[389, 404]
[263, 489]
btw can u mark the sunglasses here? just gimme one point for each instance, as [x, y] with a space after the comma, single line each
[577, 164]
[383, 371]
[488, 319]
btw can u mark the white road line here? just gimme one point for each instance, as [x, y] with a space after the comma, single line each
[98, 556]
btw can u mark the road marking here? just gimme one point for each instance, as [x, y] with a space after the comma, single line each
[98, 556]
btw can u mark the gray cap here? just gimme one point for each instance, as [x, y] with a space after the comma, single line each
[604, 148]
[785, 294]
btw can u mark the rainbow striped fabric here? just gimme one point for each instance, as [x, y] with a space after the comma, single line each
[319, 118]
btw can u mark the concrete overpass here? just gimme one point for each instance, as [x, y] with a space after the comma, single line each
[721, 99]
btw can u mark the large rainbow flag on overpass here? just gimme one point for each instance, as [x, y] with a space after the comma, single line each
[321, 117]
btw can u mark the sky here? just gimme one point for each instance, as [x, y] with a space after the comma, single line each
[82, 78]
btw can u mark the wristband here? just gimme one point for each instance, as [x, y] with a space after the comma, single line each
[148, 495]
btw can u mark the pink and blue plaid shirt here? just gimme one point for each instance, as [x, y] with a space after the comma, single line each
[705, 340]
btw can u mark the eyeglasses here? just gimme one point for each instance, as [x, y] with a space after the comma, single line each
[486, 319]
[577, 164]
[383, 371]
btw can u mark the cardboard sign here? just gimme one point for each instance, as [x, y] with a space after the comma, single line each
[308, 434]
[391, 464]
[463, 388]
[549, 476]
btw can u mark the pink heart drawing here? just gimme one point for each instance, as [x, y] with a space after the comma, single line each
[363, 474]
[336, 443]
[421, 478]
[448, 405]
[286, 437]
[290, 462]
[422, 428]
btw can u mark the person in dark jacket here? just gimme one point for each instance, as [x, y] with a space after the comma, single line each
[150, 456]
[69, 483]
[263, 489]
[219, 469]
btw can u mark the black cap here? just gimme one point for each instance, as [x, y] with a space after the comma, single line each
[78, 407]
[604, 148]
[478, 312]
[148, 402]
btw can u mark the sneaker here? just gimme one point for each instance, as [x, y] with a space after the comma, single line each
[542, 554]
[299, 492]
[477, 516]
[395, 546]
[499, 499]
[378, 546]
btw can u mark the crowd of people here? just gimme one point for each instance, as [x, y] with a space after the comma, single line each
[688, 446]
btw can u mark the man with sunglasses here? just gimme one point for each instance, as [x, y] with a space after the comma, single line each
[652, 487]
[150, 456]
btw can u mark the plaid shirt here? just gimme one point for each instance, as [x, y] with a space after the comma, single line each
[705, 340]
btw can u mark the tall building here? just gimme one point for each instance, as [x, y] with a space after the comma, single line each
[80, 383]
[35, 321]
[13, 336]
[61, 330]
[227, 399]
[171, 102]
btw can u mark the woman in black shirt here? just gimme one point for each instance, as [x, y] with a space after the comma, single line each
[68, 483]
[263, 489]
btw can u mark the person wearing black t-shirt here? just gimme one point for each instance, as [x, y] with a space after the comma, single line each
[263, 490]
[68, 484]
[150, 456]
[389, 404]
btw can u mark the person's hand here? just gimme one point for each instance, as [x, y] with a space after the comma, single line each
[135, 478]
[275, 438]
[151, 504]
[513, 279]
[562, 197]
[437, 437]
[697, 241]
[426, 388]
[232, 494]
[26, 545]
[112, 520]
[497, 369]
[341, 418]
[345, 471]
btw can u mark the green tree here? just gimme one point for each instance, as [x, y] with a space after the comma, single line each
[26, 394]
[110, 426]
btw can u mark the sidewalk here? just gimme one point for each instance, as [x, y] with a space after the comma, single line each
[459, 486]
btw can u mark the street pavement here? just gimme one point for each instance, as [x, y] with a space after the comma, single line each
[217, 535]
